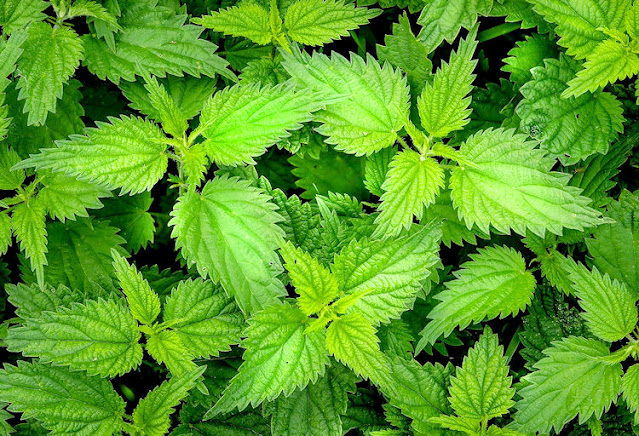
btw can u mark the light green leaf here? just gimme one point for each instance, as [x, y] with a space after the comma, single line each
[319, 22]
[443, 104]
[569, 128]
[314, 283]
[14, 14]
[9, 179]
[572, 379]
[166, 347]
[578, 20]
[631, 20]
[630, 389]
[610, 308]
[99, 337]
[470, 426]
[376, 169]
[169, 114]
[240, 122]
[152, 414]
[29, 229]
[279, 358]
[49, 59]
[196, 163]
[511, 186]
[351, 339]
[143, 302]
[206, 320]
[5, 232]
[388, 273]
[442, 19]
[63, 401]
[494, 283]
[247, 19]
[372, 101]
[127, 153]
[412, 183]
[526, 55]
[31, 301]
[481, 388]
[66, 197]
[88, 8]
[230, 232]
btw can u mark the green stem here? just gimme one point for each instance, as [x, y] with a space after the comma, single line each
[497, 31]
[401, 141]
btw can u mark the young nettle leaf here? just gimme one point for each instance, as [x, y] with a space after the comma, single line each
[376, 169]
[100, 337]
[247, 19]
[630, 389]
[5, 232]
[240, 122]
[229, 231]
[127, 153]
[9, 179]
[508, 172]
[443, 104]
[372, 101]
[31, 301]
[574, 378]
[28, 221]
[64, 402]
[14, 14]
[528, 54]
[169, 114]
[166, 347]
[494, 283]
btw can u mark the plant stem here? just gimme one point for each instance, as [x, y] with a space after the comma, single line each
[497, 31]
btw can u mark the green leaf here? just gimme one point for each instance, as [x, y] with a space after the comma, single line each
[14, 14]
[572, 379]
[387, 273]
[511, 186]
[206, 320]
[31, 301]
[442, 19]
[610, 308]
[99, 337]
[569, 128]
[494, 283]
[279, 358]
[49, 59]
[166, 347]
[351, 339]
[5, 233]
[443, 104]
[247, 19]
[630, 389]
[143, 302]
[412, 183]
[66, 197]
[615, 246]
[470, 426]
[481, 388]
[9, 179]
[230, 232]
[578, 20]
[609, 62]
[30, 231]
[314, 283]
[526, 55]
[240, 122]
[372, 101]
[152, 415]
[63, 401]
[316, 409]
[88, 8]
[319, 22]
[169, 114]
[376, 169]
[128, 153]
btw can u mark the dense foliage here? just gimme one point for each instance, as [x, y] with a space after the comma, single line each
[319, 217]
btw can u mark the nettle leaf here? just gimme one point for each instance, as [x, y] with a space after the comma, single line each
[240, 122]
[143, 302]
[229, 231]
[578, 21]
[314, 283]
[376, 169]
[99, 337]
[315, 409]
[481, 388]
[9, 179]
[442, 19]
[14, 14]
[494, 283]
[5, 232]
[169, 114]
[387, 273]
[64, 402]
[630, 388]
[31, 301]
[152, 415]
[574, 378]
[29, 229]
[127, 153]
[526, 55]
[569, 128]
[49, 59]
[511, 186]
[412, 183]
[166, 347]
[372, 100]
[351, 339]
[279, 358]
[610, 308]
[247, 19]
[204, 317]
[615, 246]
[319, 22]
[443, 104]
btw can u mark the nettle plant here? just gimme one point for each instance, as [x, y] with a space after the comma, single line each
[349, 238]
